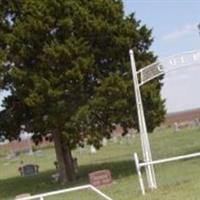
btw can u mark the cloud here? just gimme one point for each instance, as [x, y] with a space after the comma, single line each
[186, 30]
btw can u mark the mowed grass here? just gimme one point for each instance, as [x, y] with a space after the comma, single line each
[176, 180]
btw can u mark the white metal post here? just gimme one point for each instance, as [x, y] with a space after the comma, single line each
[142, 126]
[137, 165]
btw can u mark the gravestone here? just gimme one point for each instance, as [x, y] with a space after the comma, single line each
[104, 141]
[100, 178]
[114, 139]
[92, 149]
[29, 170]
[176, 127]
[128, 138]
[11, 157]
[197, 122]
[80, 149]
[38, 153]
[20, 196]
[23, 146]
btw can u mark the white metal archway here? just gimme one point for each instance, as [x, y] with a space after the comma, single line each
[141, 77]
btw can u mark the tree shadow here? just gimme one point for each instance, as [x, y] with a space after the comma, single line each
[119, 169]
[42, 182]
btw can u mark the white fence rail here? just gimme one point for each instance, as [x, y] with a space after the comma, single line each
[41, 196]
[193, 155]
[165, 160]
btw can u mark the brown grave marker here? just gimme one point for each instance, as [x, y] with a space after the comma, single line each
[100, 178]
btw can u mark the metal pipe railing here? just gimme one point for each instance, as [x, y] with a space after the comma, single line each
[41, 196]
[165, 160]
[193, 155]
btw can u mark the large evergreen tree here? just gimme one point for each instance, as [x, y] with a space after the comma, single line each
[67, 67]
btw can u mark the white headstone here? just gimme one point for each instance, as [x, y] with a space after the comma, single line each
[121, 140]
[25, 136]
[104, 142]
[92, 149]
[114, 139]
[176, 126]
[128, 138]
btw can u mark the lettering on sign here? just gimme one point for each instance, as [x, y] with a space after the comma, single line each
[100, 178]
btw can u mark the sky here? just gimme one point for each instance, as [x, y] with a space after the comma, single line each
[174, 24]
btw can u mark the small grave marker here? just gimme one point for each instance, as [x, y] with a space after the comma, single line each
[92, 149]
[100, 178]
[29, 170]
[20, 196]
[128, 139]
[104, 142]
[115, 140]
[22, 146]
[176, 127]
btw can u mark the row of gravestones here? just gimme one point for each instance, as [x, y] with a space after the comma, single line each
[16, 147]
[26, 146]
[30, 169]
[128, 139]
[188, 124]
[97, 178]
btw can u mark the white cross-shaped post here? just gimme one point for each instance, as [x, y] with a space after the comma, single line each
[142, 126]
[147, 74]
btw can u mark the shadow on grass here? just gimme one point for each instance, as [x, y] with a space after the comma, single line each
[119, 169]
[42, 182]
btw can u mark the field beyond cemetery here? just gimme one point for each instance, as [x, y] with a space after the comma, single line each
[176, 180]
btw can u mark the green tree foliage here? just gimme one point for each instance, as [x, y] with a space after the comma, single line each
[67, 67]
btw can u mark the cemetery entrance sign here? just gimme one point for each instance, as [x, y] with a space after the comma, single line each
[142, 76]
[168, 64]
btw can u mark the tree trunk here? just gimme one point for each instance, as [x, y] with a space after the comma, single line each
[64, 159]
[69, 163]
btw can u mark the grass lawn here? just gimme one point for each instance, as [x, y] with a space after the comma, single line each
[176, 180]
